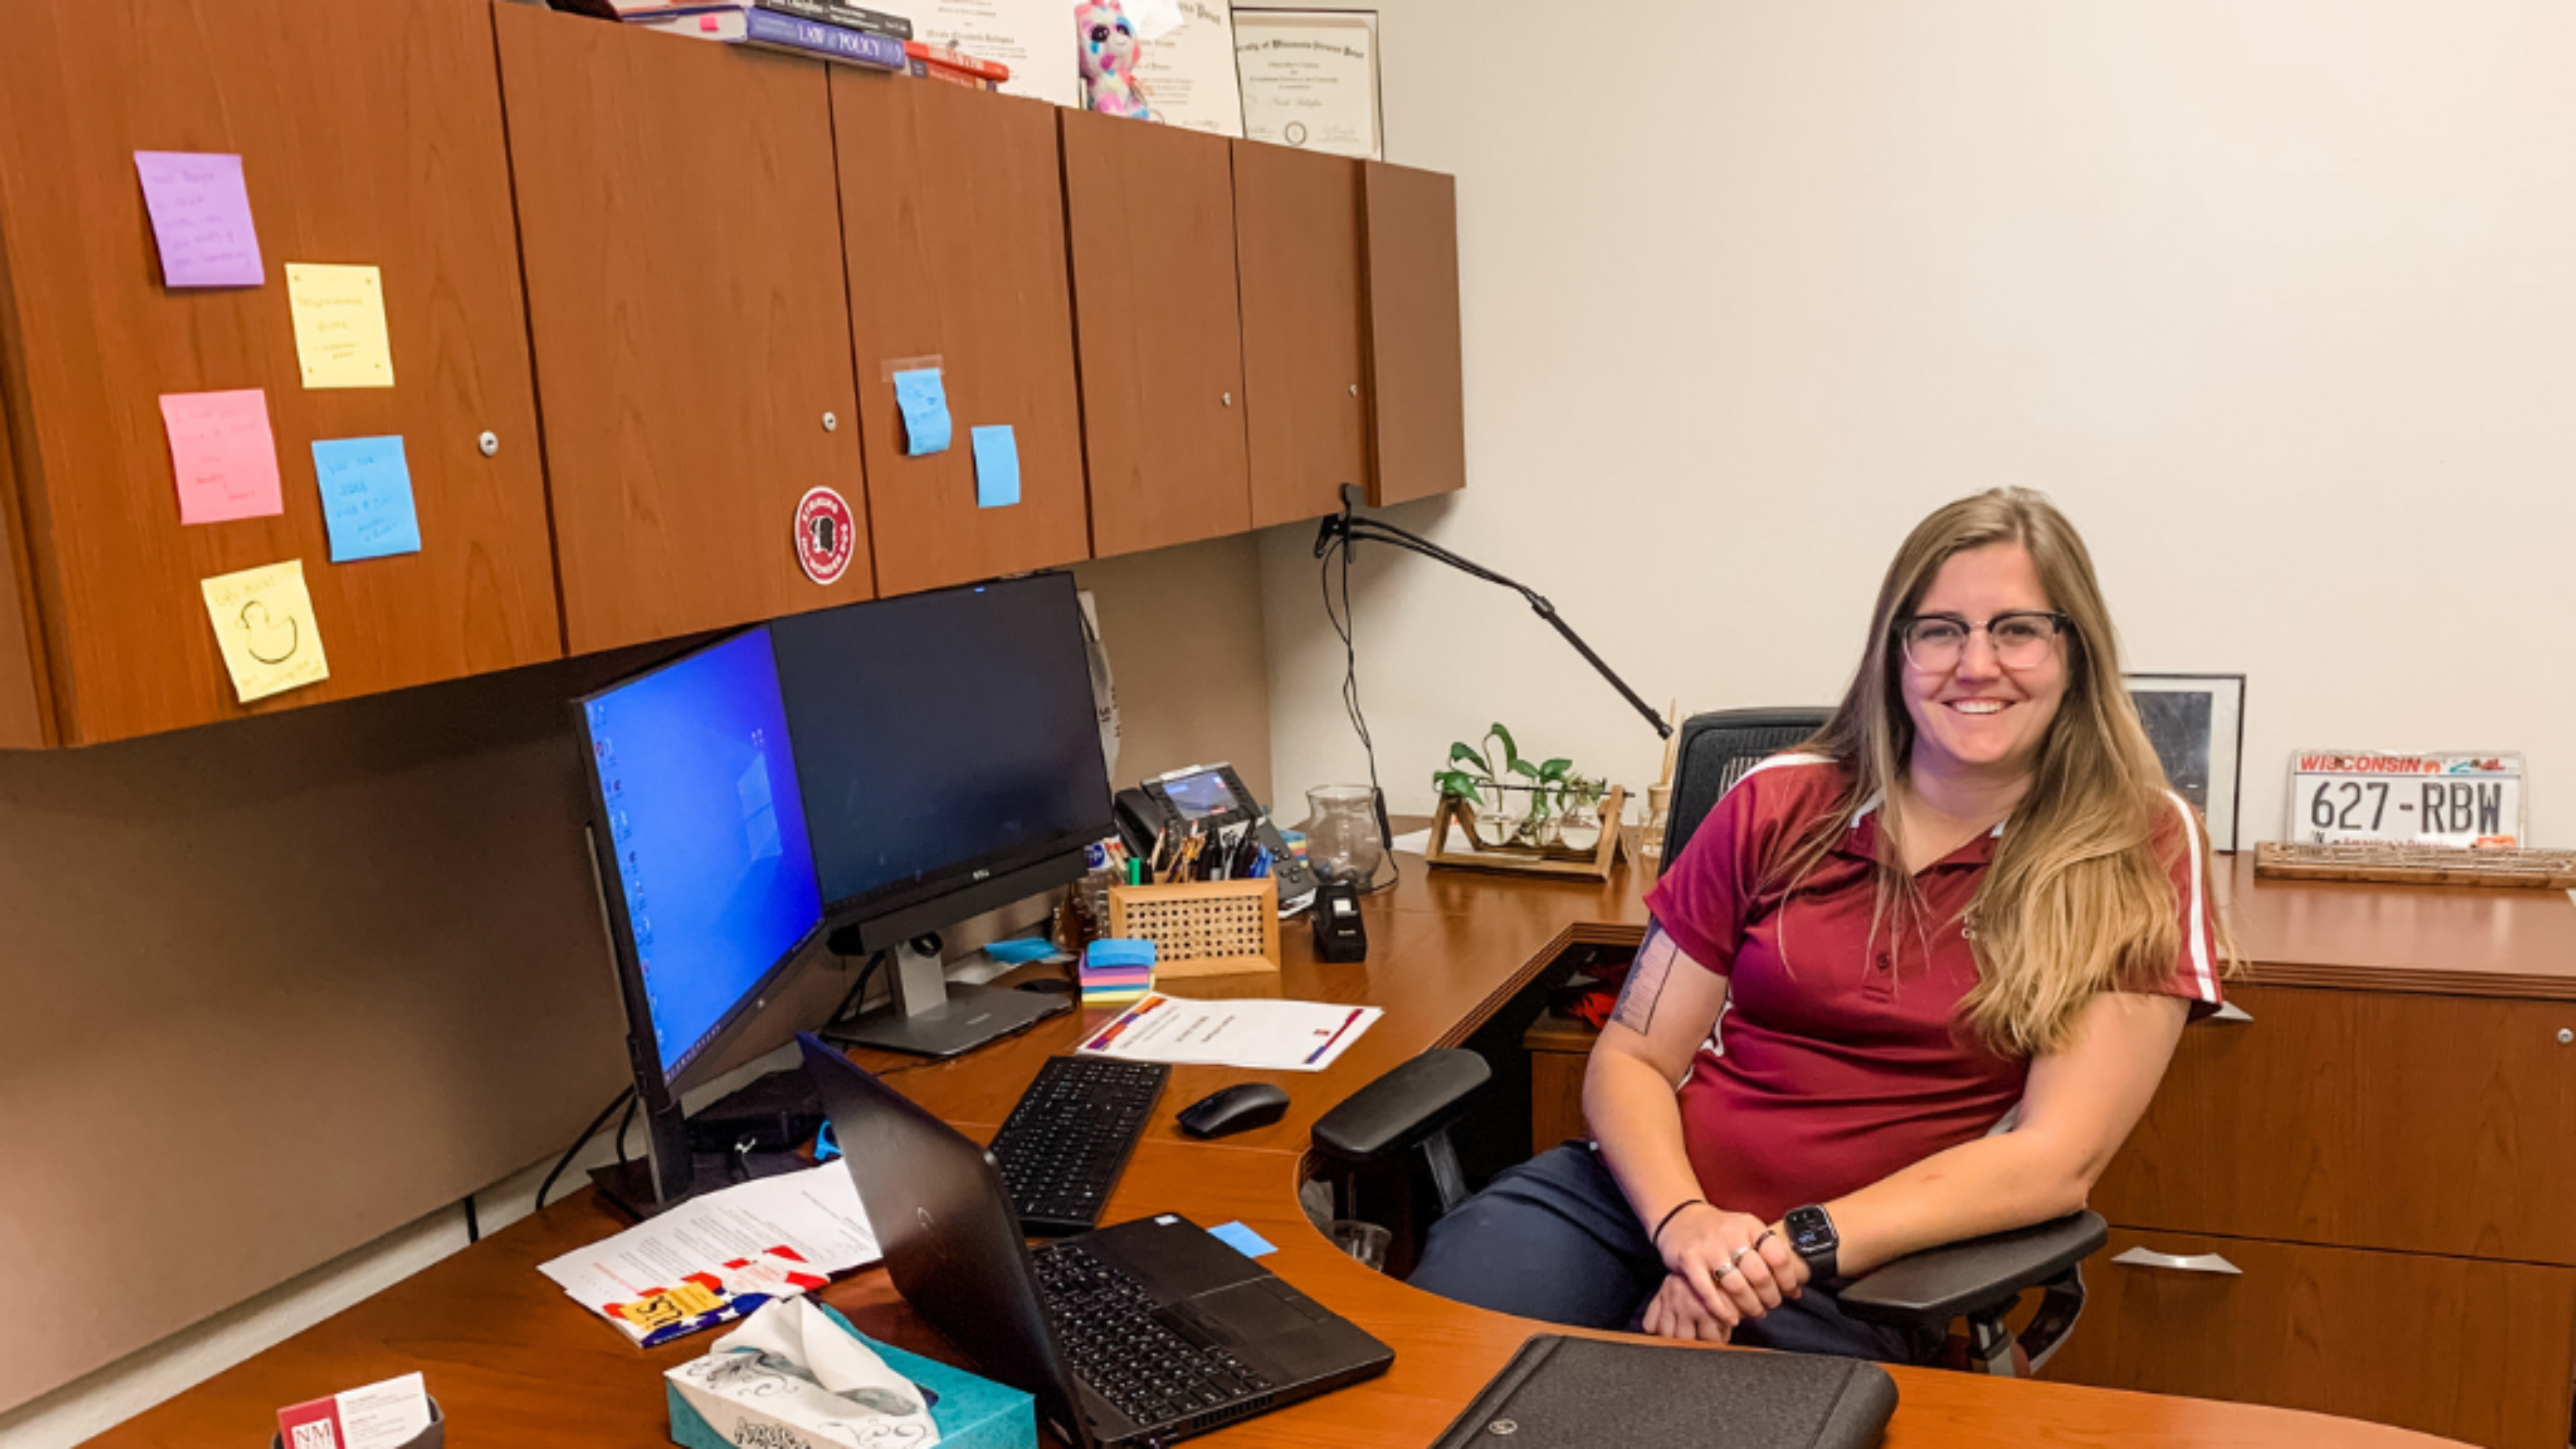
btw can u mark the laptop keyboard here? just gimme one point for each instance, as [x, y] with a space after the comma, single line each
[1106, 1323]
[1070, 1136]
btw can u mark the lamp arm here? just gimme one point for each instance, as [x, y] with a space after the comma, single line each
[1351, 530]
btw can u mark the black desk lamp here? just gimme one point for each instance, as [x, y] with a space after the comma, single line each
[1346, 530]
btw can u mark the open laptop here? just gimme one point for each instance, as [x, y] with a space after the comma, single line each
[1142, 1333]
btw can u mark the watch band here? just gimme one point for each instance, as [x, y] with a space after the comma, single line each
[1813, 1238]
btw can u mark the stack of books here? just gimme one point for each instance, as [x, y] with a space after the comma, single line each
[938, 62]
[830, 29]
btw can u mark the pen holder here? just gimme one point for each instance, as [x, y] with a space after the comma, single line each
[1206, 928]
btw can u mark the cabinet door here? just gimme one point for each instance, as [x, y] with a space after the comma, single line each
[2426, 1124]
[680, 215]
[1151, 213]
[952, 206]
[1418, 392]
[2470, 1350]
[1297, 245]
[369, 135]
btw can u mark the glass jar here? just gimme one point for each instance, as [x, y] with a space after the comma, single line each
[1341, 832]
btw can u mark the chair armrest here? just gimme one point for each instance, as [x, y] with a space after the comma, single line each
[1933, 1288]
[1402, 1107]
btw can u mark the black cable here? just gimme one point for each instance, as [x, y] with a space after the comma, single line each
[473, 1225]
[622, 1124]
[1346, 628]
[574, 1150]
[856, 995]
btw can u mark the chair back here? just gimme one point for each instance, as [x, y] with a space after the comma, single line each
[1716, 749]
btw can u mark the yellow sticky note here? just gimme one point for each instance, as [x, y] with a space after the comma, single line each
[340, 325]
[264, 623]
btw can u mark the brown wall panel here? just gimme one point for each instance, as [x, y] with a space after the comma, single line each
[1415, 338]
[680, 218]
[370, 134]
[275, 989]
[1150, 210]
[952, 208]
[1297, 247]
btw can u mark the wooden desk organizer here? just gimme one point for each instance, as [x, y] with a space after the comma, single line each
[1206, 928]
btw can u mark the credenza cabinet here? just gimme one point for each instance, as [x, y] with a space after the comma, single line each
[643, 295]
[2353, 1201]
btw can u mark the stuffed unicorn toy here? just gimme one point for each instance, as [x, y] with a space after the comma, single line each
[1109, 53]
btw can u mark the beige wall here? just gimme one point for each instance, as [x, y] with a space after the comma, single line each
[275, 990]
[2277, 299]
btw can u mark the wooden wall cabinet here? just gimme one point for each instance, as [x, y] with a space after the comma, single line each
[1150, 213]
[679, 212]
[952, 212]
[1305, 343]
[1418, 407]
[371, 134]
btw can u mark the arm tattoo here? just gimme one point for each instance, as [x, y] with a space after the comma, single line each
[1646, 978]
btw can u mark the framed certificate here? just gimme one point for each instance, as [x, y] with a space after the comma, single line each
[2197, 724]
[1309, 79]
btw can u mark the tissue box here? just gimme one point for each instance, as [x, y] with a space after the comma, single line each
[972, 1413]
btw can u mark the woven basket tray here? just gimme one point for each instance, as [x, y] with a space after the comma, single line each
[1209, 928]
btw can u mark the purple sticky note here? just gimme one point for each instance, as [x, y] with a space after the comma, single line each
[225, 459]
[201, 217]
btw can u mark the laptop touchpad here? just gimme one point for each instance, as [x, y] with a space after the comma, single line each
[1264, 1308]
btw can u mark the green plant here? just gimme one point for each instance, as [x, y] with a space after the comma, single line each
[1474, 776]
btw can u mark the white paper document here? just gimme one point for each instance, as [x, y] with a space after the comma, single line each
[1309, 79]
[1188, 72]
[1033, 37]
[1264, 1035]
[772, 1237]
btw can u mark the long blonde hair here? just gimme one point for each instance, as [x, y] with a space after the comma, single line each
[2079, 898]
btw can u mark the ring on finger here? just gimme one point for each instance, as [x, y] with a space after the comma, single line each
[1718, 1273]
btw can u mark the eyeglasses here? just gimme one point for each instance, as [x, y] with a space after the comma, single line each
[1934, 643]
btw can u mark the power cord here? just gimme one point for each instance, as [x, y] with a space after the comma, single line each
[623, 1099]
[1345, 628]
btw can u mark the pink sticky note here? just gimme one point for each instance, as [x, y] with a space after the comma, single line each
[224, 457]
[201, 218]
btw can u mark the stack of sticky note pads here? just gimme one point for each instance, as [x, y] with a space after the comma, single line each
[1115, 971]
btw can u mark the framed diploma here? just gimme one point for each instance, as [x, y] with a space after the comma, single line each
[1186, 67]
[1309, 79]
[1033, 37]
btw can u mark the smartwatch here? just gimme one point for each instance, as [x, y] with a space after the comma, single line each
[1812, 1237]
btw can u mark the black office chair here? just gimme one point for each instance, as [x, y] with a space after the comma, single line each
[1981, 1280]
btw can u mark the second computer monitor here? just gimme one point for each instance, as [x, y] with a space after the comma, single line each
[948, 747]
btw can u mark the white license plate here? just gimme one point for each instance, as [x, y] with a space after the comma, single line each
[2337, 797]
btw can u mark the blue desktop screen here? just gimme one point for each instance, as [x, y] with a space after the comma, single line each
[701, 806]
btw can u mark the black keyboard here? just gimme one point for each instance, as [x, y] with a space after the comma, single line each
[1070, 1136]
[1107, 1327]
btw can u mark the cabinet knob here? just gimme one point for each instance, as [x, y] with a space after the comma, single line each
[1355, 389]
[490, 443]
[831, 422]
[1229, 399]
[2565, 1036]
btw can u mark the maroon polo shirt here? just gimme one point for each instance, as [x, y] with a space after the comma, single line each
[1837, 1060]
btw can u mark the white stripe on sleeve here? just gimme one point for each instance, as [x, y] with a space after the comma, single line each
[2196, 909]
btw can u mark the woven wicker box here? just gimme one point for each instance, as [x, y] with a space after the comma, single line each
[1208, 928]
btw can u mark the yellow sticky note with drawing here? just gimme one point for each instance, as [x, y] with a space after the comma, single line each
[340, 334]
[264, 623]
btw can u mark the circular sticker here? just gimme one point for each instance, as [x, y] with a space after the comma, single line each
[826, 535]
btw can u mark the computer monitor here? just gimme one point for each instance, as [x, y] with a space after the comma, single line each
[706, 874]
[949, 748]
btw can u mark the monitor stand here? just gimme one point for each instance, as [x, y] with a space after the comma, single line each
[930, 1017]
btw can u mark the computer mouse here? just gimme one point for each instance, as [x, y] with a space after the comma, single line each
[1238, 1108]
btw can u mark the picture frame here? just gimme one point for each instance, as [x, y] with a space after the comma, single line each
[2197, 724]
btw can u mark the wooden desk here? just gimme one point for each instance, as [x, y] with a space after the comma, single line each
[513, 1362]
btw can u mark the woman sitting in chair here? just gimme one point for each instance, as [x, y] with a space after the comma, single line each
[1915, 981]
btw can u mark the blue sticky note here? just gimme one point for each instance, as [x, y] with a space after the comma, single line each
[366, 498]
[924, 401]
[997, 468]
[1022, 951]
[1242, 1239]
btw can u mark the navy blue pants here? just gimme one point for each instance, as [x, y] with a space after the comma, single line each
[1553, 1239]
